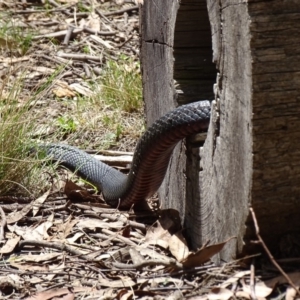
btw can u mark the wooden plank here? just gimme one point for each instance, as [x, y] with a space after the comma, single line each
[276, 167]
[157, 28]
[226, 177]
[253, 158]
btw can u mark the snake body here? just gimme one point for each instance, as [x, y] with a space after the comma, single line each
[150, 160]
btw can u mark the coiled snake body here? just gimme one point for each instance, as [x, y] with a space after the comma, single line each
[150, 160]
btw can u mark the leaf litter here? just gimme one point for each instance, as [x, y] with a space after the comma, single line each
[67, 243]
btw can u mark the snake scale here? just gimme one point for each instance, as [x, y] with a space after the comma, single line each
[150, 160]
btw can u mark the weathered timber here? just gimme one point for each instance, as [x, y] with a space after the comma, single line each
[276, 119]
[157, 30]
[251, 155]
[254, 158]
[172, 32]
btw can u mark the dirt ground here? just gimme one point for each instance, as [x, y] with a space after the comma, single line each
[67, 243]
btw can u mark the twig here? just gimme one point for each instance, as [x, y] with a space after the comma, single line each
[58, 246]
[121, 11]
[125, 42]
[57, 60]
[270, 254]
[101, 208]
[109, 152]
[97, 71]
[252, 282]
[51, 245]
[87, 71]
[34, 11]
[83, 57]
[121, 238]
[57, 34]
[198, 270]
[103, 17]
[12, 207]
[3, 224]
[53, 3]
[14, 199]
[93, 31]
[58, 207]
[68, 35]
[124, 219]
[171, 262]
[121, 161]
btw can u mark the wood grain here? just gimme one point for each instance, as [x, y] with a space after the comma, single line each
[251, 155]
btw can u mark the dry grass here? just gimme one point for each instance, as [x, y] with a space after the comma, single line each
[122, 85]
[110, 117]
[17, 169]
[97, 121]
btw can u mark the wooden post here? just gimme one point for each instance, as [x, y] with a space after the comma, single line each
[251, 155]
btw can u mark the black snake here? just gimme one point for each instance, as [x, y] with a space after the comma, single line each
[150, 160]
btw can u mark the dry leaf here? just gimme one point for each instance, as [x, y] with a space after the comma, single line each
[55, 269]
[76, 193]
[39, 233]
[38, 202]
[117, 283]
[10, 245]
[71, 186]
[43, 70]
[242, 294]
[203, 255]
[202, 297]
[151, 253]
[261, 290]
[75, 237]
[69, 296]
[168, 223]
[160, 281]
[218, 293]
[157, 236]
[291, 293]
[29, 267]
[96, 223]
[233, 279]
[38, 258]
[65, 228]
[93, 21]
[178, 246]
[49, 294]
[136, 294]
[98, 39]
[14, 60]
[80, 89]
[136, 257]
[18, 215]
[63, 92]
[5, 43]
